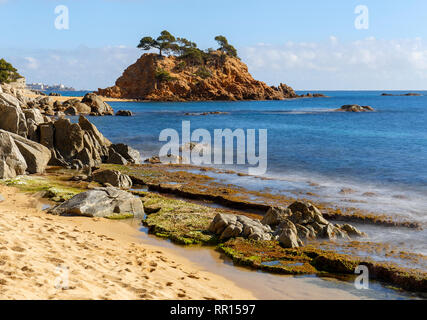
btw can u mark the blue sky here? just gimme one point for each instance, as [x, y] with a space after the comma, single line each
[308, 44]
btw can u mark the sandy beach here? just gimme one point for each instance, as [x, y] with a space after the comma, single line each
[51, 257]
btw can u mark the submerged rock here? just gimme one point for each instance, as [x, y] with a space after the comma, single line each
[355, 108]
[124, 113]
[101, 202]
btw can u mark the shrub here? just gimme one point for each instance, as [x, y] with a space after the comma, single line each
[7, 72]
[163, 75]
[203, 73]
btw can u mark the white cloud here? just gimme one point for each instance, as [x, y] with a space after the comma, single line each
[32, 63]
[333, 64]
[82, 68]
[330, 64]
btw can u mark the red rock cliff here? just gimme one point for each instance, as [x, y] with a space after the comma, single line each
[158, 78]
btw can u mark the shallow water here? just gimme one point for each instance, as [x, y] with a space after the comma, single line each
[270, 286]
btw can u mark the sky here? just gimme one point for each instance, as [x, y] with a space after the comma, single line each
[307, 44]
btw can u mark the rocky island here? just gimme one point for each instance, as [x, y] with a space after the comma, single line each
[191, 74]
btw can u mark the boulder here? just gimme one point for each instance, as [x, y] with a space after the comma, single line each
[12, 118]
[113, 177]
[68, 138]
[355, 108]
[130, 154]
[36, 155]
[352, 231]
[12, 163]
[76, 107]
[124, 113]
[289, 239]
[101, 202]
[275, 215]
[303, 221]
[231, 226]
[70, 111]
[115, 158]
[35, 115]
[97, 105]
[90, 128]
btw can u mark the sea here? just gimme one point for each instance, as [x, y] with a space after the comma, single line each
[376, 161]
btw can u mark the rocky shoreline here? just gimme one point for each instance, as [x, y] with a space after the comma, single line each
[74, 166]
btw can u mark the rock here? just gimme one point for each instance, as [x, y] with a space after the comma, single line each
[46, 135]
[115, 158]
[71, 111]
[328, 232]
[1, 197]
[74, 107]
[36, 155]
[304, 232]
[168, 159]
[12, 163]
[97, 105]
[152, 208]
[76, 164]
[275, 215]
[12, 118]
[352, 231]
[101, 202]
[68, 138]
[231, 226]
[227, 78]
[35, 115]
[355, 108]
[124, 113]
[113, 177]
[289, 239]
[90, 128]
[131, 155]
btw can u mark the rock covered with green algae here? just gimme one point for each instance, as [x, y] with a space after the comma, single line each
[270, 256]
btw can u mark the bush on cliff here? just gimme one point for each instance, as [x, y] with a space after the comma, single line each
[163, 75]
[7, 72]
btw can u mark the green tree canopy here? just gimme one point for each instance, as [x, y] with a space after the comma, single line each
[225, 47]
[7, 72]
[164, 43]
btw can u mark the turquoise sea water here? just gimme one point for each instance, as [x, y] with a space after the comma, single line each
[311, 148]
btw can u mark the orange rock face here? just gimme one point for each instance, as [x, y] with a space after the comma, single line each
[220, 78]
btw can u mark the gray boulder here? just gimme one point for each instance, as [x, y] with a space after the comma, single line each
[130, 154]
[113, 177]
[97, 105]
[12, 118]
[275, 215]
[116, 158]
[36, 155]
[12, 163]
[101, 202]
[231, 226]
